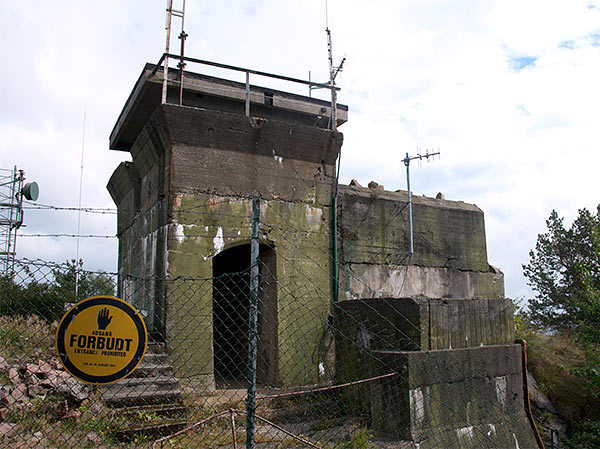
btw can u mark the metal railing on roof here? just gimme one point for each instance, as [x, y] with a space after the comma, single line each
[182, 59]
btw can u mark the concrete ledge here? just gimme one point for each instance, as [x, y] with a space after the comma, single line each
[379, 280]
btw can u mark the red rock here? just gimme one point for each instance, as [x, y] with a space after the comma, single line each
[13, 375]
[5, 397]
[19, 393]
[4, 414]
[8, 429]
[45, 368]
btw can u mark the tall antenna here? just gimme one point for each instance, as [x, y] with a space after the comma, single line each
[80, 195]
[406, 161]
[333, 72]
[169, 16]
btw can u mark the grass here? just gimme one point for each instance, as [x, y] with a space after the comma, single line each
[26, 338]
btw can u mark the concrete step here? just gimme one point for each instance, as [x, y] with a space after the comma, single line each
[152, 369]
[141, 395]
[152, 383]
[146, 382]
[156, 347]
[155, 357]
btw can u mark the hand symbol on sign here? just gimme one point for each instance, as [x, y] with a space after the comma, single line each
[103, 319]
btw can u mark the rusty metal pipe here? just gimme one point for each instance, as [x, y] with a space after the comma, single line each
[538, 437]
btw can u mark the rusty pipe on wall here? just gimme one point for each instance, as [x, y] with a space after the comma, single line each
[538, 437]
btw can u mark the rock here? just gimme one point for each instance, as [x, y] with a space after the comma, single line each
[375, 186]
[5, 397]
[355, 183]
[3, 364]
[35, 390]
[94, 437]
[30, 378]
[440, 196]
[542, 408]
[8, 429]
[61, 409]
[13, 376]
[73, 389]
[4, 414]
[55, 363]
[44, 367]
[19, 393]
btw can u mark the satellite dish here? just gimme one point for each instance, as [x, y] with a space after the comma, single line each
[31, 191]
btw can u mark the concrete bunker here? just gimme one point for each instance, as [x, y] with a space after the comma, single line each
[182, 215]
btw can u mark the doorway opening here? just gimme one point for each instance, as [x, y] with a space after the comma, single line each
[231, 304]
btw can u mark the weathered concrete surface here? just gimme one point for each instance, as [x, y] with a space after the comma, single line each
[460, 398]
[381, 281]
[447, 234]
[207, 92]
[415, 324]
[449, 259]
[206, 226]
[186, 198]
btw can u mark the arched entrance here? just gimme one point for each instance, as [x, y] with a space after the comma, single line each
[231, 300]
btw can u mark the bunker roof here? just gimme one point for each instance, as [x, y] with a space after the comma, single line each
[208, 92]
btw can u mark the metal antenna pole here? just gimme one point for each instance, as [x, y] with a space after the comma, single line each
[410, 224]
[79, 212]
[166, 68]
[406, 161]
[183, 36]
[333, 115]
[177, 13]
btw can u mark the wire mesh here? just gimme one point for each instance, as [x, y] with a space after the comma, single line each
[329, 375]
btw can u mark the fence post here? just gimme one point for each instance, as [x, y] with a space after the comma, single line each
[253, 326]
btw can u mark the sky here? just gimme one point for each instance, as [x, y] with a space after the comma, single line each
[507, 92]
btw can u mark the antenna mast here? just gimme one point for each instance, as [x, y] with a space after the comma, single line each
[406, 161]
[183, 35]
[333, 72]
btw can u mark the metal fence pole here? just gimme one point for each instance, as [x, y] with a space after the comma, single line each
[253, 326]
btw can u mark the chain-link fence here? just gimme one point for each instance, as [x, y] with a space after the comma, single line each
[353, 374]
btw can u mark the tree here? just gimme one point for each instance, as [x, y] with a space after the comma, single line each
[564, 271]
[73, 284]
[70, 284]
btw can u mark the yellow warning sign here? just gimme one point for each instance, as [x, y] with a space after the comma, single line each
[101, 340]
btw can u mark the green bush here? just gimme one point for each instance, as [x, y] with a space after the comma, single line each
[67, 285]
[585, 436]
[34, 298]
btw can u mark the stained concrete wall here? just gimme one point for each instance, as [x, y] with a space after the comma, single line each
[197, 170]
[462, 398]
[449, 259]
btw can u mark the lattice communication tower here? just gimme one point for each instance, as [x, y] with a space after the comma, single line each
[12, 191]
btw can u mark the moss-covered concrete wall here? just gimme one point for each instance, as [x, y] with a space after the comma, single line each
[197, 172]
[460, 398]
[449, 258]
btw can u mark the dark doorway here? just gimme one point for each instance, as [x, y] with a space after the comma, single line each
[231, 301]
